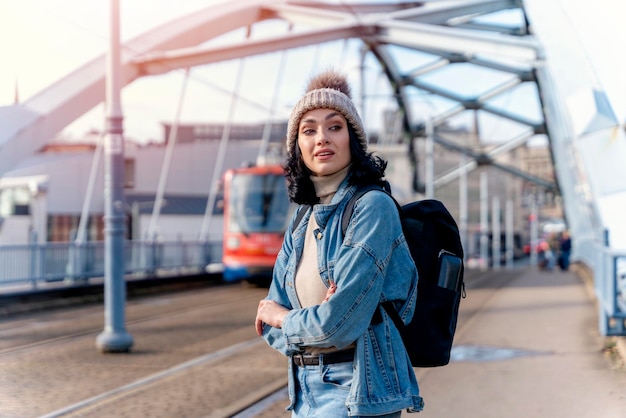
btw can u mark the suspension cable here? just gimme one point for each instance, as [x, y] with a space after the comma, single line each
[167, 159]
[267, 130]
[217, 168]
[84, 215]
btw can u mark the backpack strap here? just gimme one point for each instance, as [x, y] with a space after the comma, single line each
[301, 212]
[347, 212]
[393, 314]
[345, 221]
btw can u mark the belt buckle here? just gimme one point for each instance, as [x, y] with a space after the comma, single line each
[299, 356]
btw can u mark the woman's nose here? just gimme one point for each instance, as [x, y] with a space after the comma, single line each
[321, 137]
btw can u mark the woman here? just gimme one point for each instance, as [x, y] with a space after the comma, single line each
[322, 310]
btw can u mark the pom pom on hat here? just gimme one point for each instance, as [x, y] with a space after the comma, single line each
[328, 90]
[330, 80]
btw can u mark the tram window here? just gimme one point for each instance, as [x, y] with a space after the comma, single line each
[259, 204]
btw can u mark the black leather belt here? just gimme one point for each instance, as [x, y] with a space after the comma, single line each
[341, 356]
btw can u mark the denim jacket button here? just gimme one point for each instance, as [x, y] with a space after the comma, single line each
[319, 235]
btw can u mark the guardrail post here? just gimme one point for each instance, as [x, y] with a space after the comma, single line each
[34, 256]
[75, 270]
[602, 273]
[611, 315]
[617, 323]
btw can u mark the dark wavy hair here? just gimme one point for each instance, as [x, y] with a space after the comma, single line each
[365, 168]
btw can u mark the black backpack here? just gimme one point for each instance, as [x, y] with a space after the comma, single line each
[435, 244]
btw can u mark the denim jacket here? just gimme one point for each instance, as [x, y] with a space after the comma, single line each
[369, 265]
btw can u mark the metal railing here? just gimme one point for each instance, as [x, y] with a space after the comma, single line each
[43, 263]
[609, 277]
[35, 264]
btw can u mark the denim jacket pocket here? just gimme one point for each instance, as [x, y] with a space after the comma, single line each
[339, 375]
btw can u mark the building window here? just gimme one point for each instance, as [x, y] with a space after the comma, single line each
[15, 201]
[60, 227]
[63, 228]
[129, 173]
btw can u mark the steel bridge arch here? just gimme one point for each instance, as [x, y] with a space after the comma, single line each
[450, 31]
[178, 44]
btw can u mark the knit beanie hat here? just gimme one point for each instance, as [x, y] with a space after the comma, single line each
[328, 90]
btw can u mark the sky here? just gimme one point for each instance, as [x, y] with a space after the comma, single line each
[43, 40]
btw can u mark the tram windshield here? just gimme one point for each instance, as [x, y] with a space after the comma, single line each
[258, 203]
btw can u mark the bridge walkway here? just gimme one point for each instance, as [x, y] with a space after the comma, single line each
[527, 345]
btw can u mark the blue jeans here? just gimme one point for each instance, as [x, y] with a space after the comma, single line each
[322, 390]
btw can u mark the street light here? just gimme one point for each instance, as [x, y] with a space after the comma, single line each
[114, 338]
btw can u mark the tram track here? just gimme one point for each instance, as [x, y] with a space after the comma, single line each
[79, 408]
[257, 403]
[98, 316]
[202, 334]
[196, 354]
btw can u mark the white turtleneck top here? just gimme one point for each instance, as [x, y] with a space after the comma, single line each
[309, 286]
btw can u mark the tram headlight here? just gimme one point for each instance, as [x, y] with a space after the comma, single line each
[233, 243]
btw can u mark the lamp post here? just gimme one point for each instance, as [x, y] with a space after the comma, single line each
[114, 338]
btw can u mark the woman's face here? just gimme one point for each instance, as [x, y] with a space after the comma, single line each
[324, 141]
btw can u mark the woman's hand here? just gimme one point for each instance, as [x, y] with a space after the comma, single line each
[270, 313]
[330, 292]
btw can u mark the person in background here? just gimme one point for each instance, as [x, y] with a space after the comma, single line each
[566, 250]
[322, 311]
[552, 251]
[544, 255]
